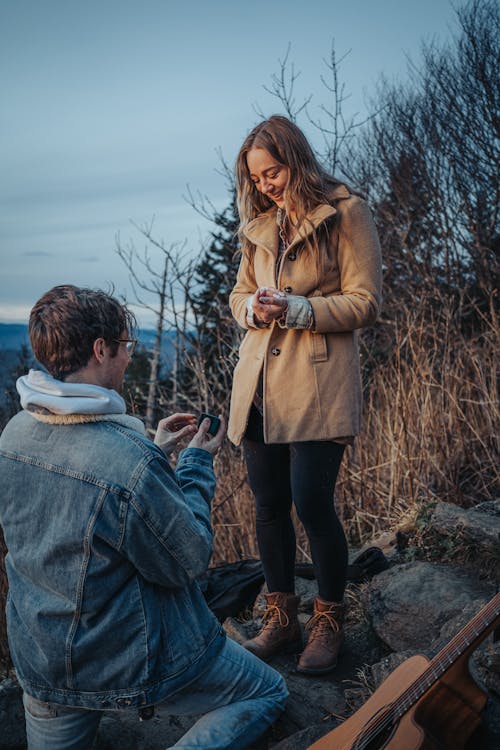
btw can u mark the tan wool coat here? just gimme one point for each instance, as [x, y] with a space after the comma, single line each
[311, 378]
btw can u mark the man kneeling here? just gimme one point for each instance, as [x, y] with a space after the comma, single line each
[105, 543]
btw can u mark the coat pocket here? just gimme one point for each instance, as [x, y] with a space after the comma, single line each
[319, 350]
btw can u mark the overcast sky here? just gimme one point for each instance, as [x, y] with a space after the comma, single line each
[111, 108]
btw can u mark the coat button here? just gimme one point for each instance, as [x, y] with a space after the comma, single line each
[275, 351]
[292, 256]
[287, 289]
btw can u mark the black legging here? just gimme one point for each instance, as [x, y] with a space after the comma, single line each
[305, 474]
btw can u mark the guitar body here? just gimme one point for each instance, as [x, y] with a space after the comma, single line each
[442, 719]
[450, 710]
[349, 732]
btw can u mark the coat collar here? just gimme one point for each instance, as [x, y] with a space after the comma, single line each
[262, 230]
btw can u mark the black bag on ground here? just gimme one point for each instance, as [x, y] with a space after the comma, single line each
[364, 566]
[230, 588]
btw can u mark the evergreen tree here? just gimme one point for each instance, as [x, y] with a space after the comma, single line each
[216, 332]
[9, 404]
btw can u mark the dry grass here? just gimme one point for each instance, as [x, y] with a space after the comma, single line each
[431, 423]
[233, 515]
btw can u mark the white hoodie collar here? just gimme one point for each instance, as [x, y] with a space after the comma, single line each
[39, 390]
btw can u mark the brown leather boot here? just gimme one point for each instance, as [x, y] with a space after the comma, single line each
[325, 638]
[280, 632]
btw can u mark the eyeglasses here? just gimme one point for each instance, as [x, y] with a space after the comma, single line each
[130, 345]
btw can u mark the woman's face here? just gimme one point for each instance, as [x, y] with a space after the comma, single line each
[269, 176]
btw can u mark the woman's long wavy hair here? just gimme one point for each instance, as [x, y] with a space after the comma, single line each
[308, 186]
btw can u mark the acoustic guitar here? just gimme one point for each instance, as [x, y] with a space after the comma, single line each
[423, 704]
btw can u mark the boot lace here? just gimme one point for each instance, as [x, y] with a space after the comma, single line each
[322, 624]
[274, 617]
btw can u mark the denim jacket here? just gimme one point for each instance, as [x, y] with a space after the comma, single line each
[105, 542]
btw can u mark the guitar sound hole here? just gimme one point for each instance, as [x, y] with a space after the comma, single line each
[366, 742]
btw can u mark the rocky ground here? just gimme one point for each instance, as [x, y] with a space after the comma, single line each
[413, 607]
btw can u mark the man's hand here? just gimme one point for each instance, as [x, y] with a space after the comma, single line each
[173, 430]
[207, 442]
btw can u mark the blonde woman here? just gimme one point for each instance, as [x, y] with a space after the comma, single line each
[309, 278]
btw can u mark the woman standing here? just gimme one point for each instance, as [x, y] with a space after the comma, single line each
[310, 276]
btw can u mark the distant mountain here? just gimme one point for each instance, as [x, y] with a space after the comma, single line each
[147, 340]
[13, 336]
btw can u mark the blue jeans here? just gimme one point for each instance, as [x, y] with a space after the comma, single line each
[239, 695]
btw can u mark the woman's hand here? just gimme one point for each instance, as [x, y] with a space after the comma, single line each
[173, 430]
[269, 304]
[207, 442]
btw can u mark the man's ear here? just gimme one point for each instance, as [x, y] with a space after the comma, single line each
[99, 349]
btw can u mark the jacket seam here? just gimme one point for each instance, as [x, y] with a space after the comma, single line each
[145, 519]
[71, 473]
[80, 587]
[144, 622]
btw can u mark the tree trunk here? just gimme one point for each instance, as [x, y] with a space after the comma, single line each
[155, 360]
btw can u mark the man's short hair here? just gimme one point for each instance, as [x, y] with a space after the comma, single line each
[66, 321]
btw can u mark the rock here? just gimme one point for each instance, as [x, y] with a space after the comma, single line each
[303, 739]
[484, 663]
[239, 630]
[124, 730]
[382, 669]
[312, 700]
[485, 666]
[479, 525]
[490, 507]
[408, 604]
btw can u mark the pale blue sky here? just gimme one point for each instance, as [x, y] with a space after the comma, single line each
[111, 107]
